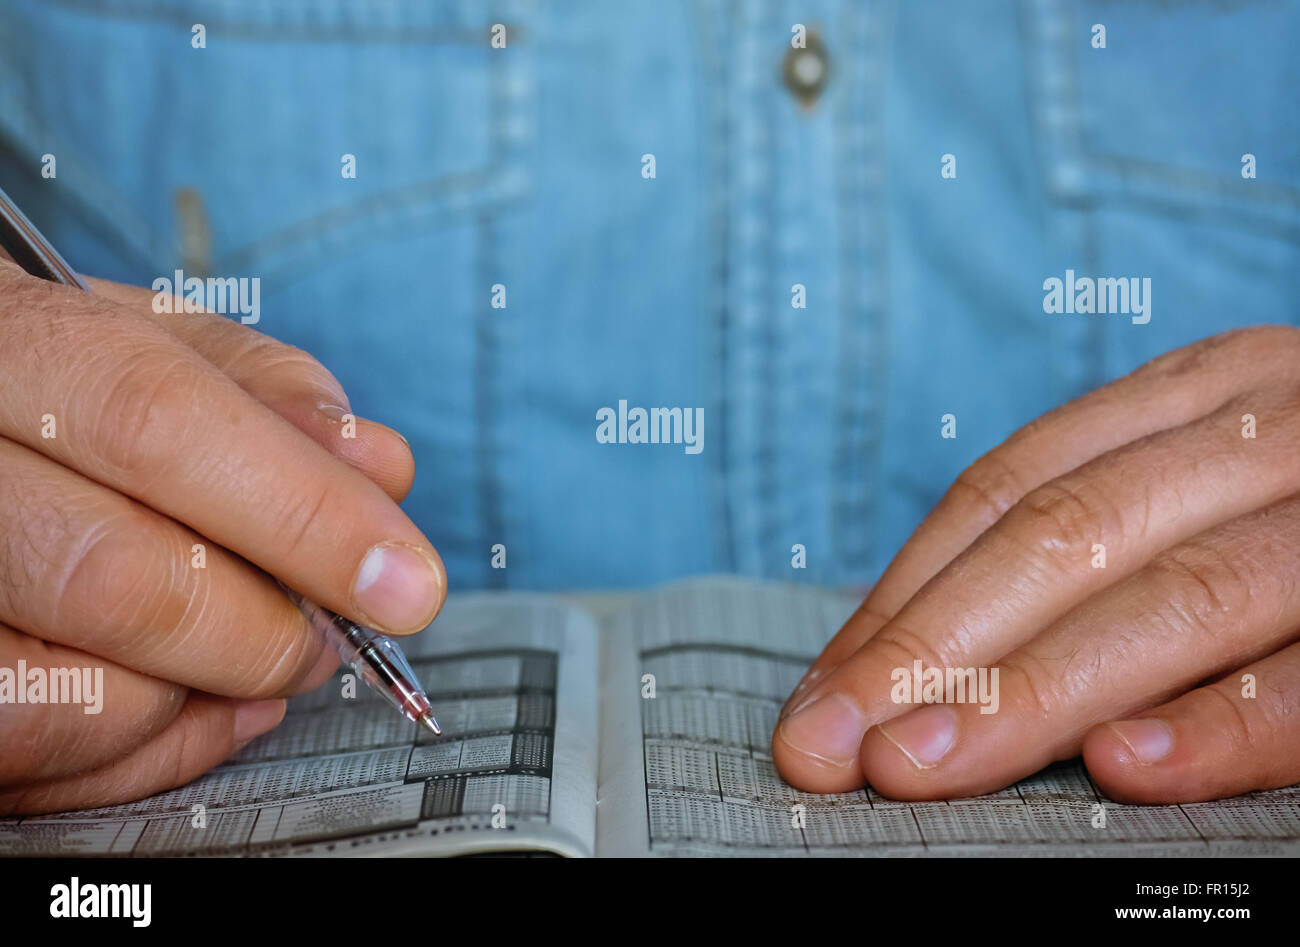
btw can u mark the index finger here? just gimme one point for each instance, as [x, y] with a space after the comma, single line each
[287, 380]
[114, 396]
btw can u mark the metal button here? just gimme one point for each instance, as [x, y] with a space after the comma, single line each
[807, 70]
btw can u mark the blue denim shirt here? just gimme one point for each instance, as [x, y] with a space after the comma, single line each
[522, 168]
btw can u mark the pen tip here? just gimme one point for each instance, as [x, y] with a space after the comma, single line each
[426, 718]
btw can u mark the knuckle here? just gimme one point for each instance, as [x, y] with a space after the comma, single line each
[1199, 585]
[1279, 693]
[1279, 403]
[905, 648]
[1263, 338]
[145, 414]
[1246, 345]
[290, 357]
[1029, 684]
[270, 356]
[1233, 722]
[985, 491]
[1064, 521]
[125, 578]
[1186, 360]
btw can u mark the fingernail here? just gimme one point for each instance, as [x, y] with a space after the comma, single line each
[1149, 739]
[829, 729]
[925, 736]
[398, 588]
[333, 411]
[255, 717]
[813, 675]
[794, 702]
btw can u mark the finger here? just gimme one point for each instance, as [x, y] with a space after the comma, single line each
[1039, 561]
[1236, 735]
[1168, 392]
[137, 411]
[289, 382]
[206, 731]
[90, 569]
[110, 710]
[1195, 611]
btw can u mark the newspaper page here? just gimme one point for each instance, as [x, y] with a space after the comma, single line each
[513, 683]
[689, 771]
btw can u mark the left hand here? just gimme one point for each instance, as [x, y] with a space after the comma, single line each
[1139, 664]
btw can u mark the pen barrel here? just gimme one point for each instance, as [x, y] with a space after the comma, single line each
[378, 661]
[374, 658]
[30, 250]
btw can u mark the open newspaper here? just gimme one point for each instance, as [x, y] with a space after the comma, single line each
[642, 729]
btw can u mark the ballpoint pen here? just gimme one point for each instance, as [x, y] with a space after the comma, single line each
[375, 657]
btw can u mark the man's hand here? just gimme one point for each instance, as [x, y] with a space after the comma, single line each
[1173, 667]
[128, 439]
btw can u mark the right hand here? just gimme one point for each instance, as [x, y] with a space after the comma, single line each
[172, 431]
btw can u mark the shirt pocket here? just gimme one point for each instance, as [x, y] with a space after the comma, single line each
[1142, 147]
[297, 132]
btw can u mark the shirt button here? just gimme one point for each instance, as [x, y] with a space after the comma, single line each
[807, 70]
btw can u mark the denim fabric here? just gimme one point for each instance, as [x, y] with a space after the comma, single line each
[523, 166]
